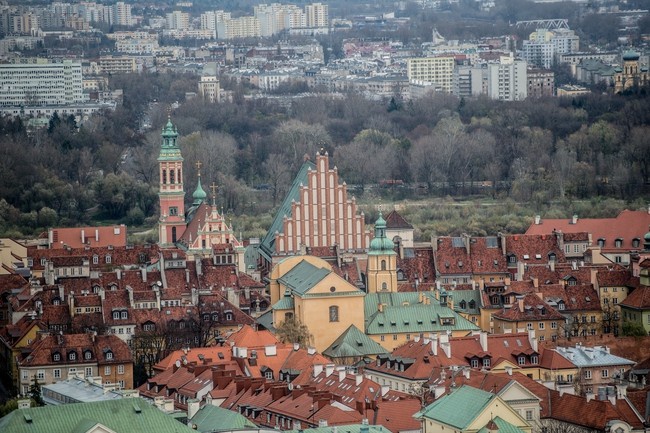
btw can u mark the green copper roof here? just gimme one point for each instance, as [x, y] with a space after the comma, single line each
[169, 150]
[267, 247]
[303, 277]
[380, 244]
[403, 313]
[199, 195]
[126, 415]
[353, 344]
[459, 408]
[631, 55]
[285, 303]
[215, 419]
[504, 427]
[466, 296]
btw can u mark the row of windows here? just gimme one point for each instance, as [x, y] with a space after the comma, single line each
[73, 355]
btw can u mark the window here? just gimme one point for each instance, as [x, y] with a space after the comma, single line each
[120, 369]
[529, 415]
[540, 325]
[587, 374]
[89, 371]
[383, 265]
[40, 374]
[381, 337]
[474, 363]
[88, 354]
[109, 355]
[268, 374]
[604, 373]
[228, 316]
[394, 337]
[173, 210]
[107, 370]
[486, 362]
[529, 326]
[56, 373]
[615, 300]
[95, 259]
[534, 359]
[123, 315]
[334, 313]
[108, 258]
[56, 357]
[521, 360]
[72, 356]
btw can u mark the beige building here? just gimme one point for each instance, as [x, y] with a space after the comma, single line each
[438, 70]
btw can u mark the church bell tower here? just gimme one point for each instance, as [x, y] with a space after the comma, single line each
[170, 192]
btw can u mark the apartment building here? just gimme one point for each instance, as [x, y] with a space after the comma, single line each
[507, 80]
[438, 70]
[41, 83]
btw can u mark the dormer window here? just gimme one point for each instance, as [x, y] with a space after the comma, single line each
[228, 316]
[43, 261]
[72, 356]
[534, 359]
[521, 360]
[88, 355]
[123, 315]
[116, 315]
[56, 357]
[560, 305]
[56, 301]
[636, 242]
[108, 259]
[601, 242]
[472, 304]
[109, 355]
[474, 363]
[618, 243]
[552, 257]
[95, 259]
[462, 305]
[486, 362]
[512, 258]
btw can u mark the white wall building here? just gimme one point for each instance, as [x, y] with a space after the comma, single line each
[507, 80]
[41, 84]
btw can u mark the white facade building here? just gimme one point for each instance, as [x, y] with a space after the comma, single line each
[41, 84]
[507, 80]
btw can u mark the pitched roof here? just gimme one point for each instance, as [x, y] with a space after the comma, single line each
[396, 221]
[459, 408]
[211, 418]
[502, 425]
[594, 414]
[628, 225]
[121, 416]
[353, 343]
[639, 299]
[267, 246]
[534, 309]
[582, 356]
[303, 277]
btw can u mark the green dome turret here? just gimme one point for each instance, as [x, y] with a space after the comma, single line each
[380, 244]
[631, 55]
[169, 149]
[199, 194]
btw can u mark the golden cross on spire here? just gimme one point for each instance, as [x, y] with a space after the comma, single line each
[198, 166]
[214, 187]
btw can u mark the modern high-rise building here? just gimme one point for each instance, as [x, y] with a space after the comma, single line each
[507, 80]
[41, 83]
[122, 14]
[317, 15]
[436, 70]
[178, 20]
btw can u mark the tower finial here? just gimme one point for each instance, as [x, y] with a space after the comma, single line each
[198, 167]
[214, 187]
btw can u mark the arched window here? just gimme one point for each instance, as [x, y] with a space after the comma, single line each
[288, 316]
[56, 357]
[173, 234]
[72, 356]
[109, 355]
[383, 265]
[172, 179]
[384, 286]
[180, 178]
[123, 315]
[116, 315]
[334, 313]
[472, 304]
[88, 354]
[164, 176]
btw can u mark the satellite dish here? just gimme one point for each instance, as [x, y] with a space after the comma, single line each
[178, 364]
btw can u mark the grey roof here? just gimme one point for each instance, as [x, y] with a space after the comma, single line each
[350, 428]
[353, 344]
[597, 356]
[266, 320]
[467, 296]
[76, 391]
[267, 247]
[285, 303]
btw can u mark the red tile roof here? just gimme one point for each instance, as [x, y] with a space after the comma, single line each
[628, 225]
[534, 309]
[41, 351]
[396, 221]
[639, 299]
[594, 414]
[92, 236]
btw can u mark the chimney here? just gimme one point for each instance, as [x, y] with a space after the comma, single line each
[532, 340]
[590, 396]
[318, 369]
[83, 236]
[520, 303]
[296, 346]
[187, 275]
[193, 406]
[483, 339]
[118, 274]
[509, 370]
[341, 375]
[96, 235]
[446, 347]
[358, 378]
[574, 220]
[466, 372]
[311, 351]
[329, 369]
[199, 271]
[438, 391]
[434, 345]
[536, 282]
[384, 390]
[144, 274]
[380, 307]
[538, 219]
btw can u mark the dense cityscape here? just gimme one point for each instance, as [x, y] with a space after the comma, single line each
[325, 217]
